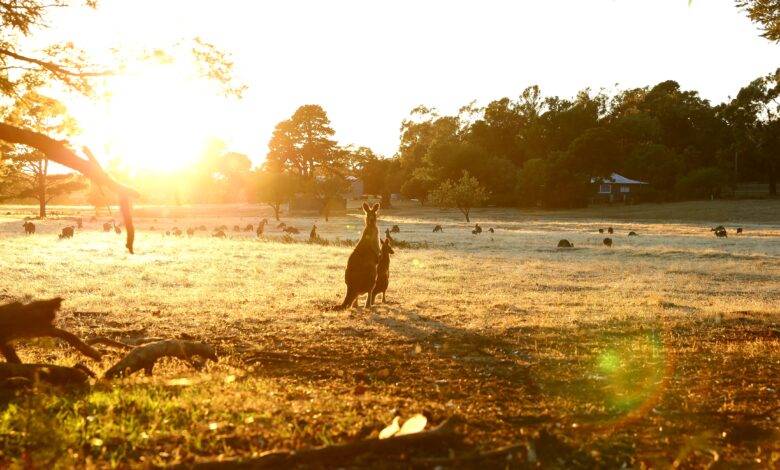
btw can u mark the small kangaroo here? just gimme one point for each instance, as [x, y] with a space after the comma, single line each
[313, 234]
[29, 228]
[438, 229]
[360, 275]
[383, 271]
[261, 227]
[67, 232]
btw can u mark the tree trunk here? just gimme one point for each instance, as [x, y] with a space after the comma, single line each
[42, 193]
[277, 209]
[466, 213]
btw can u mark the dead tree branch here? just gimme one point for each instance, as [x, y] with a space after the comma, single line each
[61, 153]
[35, 320]
[144, 357]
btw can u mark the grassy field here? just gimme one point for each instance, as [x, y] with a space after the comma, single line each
[661, 351]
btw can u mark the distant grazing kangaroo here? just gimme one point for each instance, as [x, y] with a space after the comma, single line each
[383, 271]
[261, 227]
[438, 229]
[360, 275]
[29, 228]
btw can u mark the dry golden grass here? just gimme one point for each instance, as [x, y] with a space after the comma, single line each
[662, 350]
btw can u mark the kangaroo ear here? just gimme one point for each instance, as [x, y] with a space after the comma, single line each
[375, 208]
[366, 208]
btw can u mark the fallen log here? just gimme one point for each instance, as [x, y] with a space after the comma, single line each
[442, 436]
[10, 374]
[34, 320]
[144, 357]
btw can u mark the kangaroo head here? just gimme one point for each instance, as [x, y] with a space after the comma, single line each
[371, 213]
[386, 248]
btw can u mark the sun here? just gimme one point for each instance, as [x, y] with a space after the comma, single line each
[155, 119]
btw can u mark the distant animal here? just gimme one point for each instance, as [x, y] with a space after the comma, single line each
[261, 227]
[719, 228]
[565, 244]
[118, 229]
[67, 232]
[387, 234]
[632, 234]
[190, 232]
[108, 226]
[721, 233]
[491, 230]
[383, 271]
[236, 228]
[739, 230]
[313, 234]
[282, 225]
[601, 230]
[477, 230]
[360, 275]
[438, 229]
[176, 232]
[395, 229]
[220, 234]
[292, 230]
[29, 228]
[249, 228]
[609, 230]
[608, 242]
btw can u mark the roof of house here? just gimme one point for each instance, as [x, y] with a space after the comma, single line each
[617, 179]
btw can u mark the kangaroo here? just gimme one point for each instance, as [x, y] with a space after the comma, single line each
[438, 229]
[67, 232]
[313, 234]
[608, 242]
[383, 271]
[360, 275]
[565, 244]
[29, 228]
[261, 227]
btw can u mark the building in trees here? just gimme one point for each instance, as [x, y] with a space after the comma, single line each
[617, 188]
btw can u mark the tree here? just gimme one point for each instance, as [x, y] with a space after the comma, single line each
[419, 185]
[274, 188]
[757, 113]
[330, 191]
[22, 69]
[766, 13]
[463, 194]
[302, 144]
[49, 116]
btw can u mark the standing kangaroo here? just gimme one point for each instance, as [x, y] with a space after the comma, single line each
[383, 271]
[360, 275]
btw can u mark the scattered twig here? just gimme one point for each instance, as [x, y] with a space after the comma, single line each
[108, 342]
[442, 435]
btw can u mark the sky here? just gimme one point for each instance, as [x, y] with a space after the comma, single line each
[368, 63]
